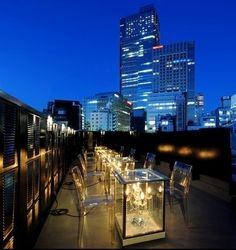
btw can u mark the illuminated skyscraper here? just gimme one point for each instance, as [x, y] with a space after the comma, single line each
[174, 70]
[138, 34]
[200, 102]
[168, 106]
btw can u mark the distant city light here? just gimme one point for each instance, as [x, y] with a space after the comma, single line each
[158, 47]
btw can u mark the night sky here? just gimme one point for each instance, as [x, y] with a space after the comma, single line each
[69, 49]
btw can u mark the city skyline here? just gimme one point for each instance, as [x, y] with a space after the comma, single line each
[70, 49]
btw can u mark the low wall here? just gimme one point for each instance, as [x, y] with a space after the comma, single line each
[208, 150]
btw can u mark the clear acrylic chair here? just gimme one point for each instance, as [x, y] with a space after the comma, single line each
[88, 157]
[86, 203]
[177, 189]
[121, 151]
[132, 153]
[150, 161]
[85, 173]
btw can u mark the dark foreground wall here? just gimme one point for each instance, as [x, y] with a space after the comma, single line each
[33, 163]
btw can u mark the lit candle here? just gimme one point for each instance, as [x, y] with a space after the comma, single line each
[142, 196]
[149, 190]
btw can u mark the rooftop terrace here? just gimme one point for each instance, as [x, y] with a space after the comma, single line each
[212, 222]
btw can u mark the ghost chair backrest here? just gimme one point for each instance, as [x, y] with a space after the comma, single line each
[121, 151]
[83, 200]
[181, 177]
[150, 161]
[178, 188]
[132, 153]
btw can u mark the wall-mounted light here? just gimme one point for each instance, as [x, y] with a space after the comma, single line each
[55, 127]
[185, 150]
[207, 153]
[49, 123]
[167, 148]
[70, 131]
[63, 128]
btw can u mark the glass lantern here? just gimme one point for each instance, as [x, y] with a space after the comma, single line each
[140, 205]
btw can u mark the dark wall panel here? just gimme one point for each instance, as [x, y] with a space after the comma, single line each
[29, 167]
[208, 150]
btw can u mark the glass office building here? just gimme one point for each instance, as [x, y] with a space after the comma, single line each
[174, 70]
[226, 113]
[138, 34]
[107, 111]
[162, 105]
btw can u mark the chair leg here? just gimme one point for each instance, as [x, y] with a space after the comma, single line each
[184, 209]
[112, 223]
[171, 202]
[80, 233]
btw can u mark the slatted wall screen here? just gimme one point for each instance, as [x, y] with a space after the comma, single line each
[29, 190]
[9, 180]
[30, 135]
[55, 161]
[47, 167]
[24, 140]
[9, 244]
[9, 135]
[37, 135]
[48, 142]
[36, 177]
